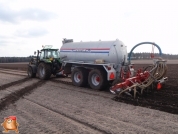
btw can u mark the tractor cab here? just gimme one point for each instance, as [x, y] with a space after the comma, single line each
[49, 54]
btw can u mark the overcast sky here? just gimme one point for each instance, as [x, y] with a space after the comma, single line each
[26, 25]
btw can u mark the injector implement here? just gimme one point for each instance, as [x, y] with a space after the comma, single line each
[143, 80]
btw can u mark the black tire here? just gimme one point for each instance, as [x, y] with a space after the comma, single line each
[44, 71]
[97, 84]
[30, 72]
[79, 77]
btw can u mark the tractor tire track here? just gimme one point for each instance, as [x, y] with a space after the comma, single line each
[69, 117]
[3, 87]
[91, 125]
[37, 119]
[14, 96]
[99, 112]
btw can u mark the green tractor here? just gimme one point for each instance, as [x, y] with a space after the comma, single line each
[46, 63]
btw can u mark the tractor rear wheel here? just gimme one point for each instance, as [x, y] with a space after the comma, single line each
[44, 71]
[79, 77]
[97, 79]
[30, 72]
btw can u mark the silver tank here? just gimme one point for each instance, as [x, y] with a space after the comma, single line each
[110, 51]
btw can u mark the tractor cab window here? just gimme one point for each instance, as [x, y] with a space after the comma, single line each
[49, 54]
[52, 54]
[55, 54]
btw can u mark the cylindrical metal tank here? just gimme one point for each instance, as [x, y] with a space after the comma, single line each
[110, 51]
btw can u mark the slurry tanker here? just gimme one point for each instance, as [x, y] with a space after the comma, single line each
[99, 63]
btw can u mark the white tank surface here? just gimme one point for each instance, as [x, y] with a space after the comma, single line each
[109, 51]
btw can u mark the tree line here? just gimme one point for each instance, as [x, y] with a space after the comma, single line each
[14, 59]
[135, 56]
[144, 55]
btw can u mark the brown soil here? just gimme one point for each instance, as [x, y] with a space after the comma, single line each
[59, 107]
[17, 66]
[163, 100]
[68, 109]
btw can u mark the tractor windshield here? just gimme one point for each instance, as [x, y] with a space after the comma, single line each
[53, 54]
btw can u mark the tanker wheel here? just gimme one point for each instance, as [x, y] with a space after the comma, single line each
[79, 77]
[97, 79]
[30, 72]
[44, 71]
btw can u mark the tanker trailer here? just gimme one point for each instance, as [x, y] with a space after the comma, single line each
[94, 63]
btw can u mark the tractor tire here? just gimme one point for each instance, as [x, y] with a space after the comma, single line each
[44, 71]
[97, 79]
[30, 72]
[79, 77]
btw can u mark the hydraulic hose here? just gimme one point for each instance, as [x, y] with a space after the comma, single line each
[129, 57]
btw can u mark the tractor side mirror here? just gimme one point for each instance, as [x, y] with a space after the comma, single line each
[35, 53]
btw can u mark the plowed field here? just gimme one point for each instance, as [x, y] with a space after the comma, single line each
[56, 106]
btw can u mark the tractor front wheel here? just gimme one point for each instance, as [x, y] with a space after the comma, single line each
[44, 71]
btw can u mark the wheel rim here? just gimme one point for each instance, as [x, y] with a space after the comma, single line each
[95, 79]
[42, 71]
[77, 77]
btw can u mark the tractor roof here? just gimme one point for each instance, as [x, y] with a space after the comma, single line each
[49, 49]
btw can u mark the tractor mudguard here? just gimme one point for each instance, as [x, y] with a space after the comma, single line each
[34, 68]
